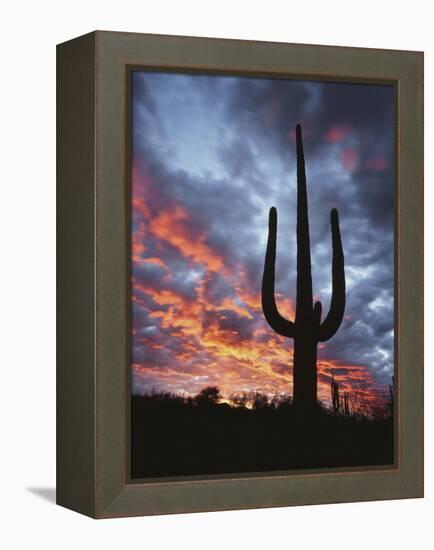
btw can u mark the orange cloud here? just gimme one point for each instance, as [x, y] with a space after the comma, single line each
[206, 352]
[170, 225]
[162, 297]
[138, 247]
[156, 261]
[230, 305]
[262, 362]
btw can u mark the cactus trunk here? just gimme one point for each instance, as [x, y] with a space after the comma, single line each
[307, 329]
[305, 344]
[305, 374]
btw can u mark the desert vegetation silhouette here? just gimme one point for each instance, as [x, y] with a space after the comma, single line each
[178, 435]
[307, 329]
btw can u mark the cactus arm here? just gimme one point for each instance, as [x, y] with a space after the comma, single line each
[337, 306]
[271, 313]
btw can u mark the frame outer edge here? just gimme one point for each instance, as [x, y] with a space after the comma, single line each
[75, 446]
[410, 274]
[115, 497]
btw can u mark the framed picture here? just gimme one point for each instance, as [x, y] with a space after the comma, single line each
[240, 263]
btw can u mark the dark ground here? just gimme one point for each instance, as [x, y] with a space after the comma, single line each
[172, 436]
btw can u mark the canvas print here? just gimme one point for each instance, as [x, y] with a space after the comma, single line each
[262, 274]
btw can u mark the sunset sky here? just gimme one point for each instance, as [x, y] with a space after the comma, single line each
[211, 155]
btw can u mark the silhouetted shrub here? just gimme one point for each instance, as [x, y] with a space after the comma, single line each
[210, 394]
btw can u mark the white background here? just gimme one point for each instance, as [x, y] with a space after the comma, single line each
[29, 32]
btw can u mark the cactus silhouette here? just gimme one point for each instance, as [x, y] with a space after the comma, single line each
[307, 329]
[334, 387]
[346, 404]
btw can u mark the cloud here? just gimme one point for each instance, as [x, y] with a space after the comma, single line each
[337, 133]
[172, 226]
[349, 159]
[211, 155]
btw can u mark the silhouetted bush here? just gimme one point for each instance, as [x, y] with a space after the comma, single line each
[210, 394]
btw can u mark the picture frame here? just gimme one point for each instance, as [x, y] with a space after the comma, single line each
[94, 318]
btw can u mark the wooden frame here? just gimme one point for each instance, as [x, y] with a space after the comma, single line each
[93, 237]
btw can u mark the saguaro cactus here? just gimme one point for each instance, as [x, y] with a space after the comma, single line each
[334, 387]
[307, 329]
[392, 397]
[346, 404]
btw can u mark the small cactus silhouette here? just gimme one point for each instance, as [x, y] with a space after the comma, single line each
[307, 329]
[346, 404]
[334, 386]
[392, 397]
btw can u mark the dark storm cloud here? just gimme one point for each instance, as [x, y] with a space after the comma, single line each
[364, 114]
[154, 276]
[238, 326]
[223, 149]
[216, 288]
